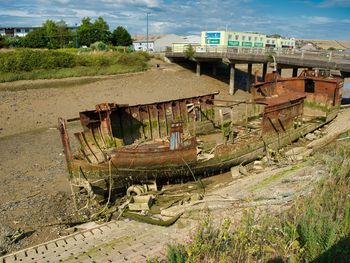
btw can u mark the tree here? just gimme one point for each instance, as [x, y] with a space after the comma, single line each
[89, 33]
[86, 32]
[35, 39]
[121, 37]
[51, 35]
[102, 30]
[51, 31]
[64, 35]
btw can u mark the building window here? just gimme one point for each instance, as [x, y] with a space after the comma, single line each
[268, 41]
[236, 37]
[255, 38]
[249, 38]
[18, 30]
[27, 30]
[273, 41]
[243, 38]
[230, 37]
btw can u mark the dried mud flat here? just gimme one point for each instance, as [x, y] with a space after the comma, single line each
[34, 193]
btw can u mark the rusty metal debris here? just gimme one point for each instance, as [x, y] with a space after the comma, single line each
[172, 141]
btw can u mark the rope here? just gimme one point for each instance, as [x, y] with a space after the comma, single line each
[194, 178]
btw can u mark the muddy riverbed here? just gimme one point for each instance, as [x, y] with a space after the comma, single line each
[34, 191]
[35, 198]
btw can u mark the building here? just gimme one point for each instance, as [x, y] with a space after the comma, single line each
[15, 31]
[141, 45]
[243, 39]
[140, 42]
[165, 42]
[187, 41]
[160, 43]
[21, 31]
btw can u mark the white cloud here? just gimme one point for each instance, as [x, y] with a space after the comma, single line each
[333, 3]
[179, 16]
[317, 20]
[148, 3]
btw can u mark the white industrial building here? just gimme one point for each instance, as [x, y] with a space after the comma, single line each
[161, 43]
[15, 31]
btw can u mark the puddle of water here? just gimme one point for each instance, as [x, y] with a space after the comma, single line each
[346, 92]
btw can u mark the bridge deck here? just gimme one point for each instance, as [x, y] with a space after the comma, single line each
[284, 57]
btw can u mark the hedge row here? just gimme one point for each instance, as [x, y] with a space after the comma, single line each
[29, 60]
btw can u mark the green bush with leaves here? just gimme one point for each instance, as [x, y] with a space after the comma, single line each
[35, 64]
[189, 52]
[99, 46]
[28, 60]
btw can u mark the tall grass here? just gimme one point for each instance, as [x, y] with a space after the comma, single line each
[43, 64]
[315, 229]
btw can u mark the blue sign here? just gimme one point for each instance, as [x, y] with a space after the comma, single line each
[213, 35]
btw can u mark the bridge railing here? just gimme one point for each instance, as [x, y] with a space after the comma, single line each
[296, 53]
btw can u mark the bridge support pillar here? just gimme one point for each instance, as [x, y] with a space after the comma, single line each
[232, 79]
[264, 71]
[198, 69]
[295, 72]
[214, 69]
[249, 77]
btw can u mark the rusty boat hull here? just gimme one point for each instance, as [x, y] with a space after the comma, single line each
[172, 141]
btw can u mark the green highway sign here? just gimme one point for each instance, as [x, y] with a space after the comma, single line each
[246, 44]
[233, 43]
[213, 41]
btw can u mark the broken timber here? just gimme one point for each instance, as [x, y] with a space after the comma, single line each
[185, 138]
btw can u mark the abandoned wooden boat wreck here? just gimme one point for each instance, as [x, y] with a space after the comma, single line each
[125, 145]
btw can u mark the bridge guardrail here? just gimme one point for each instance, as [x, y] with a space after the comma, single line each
[325, 55]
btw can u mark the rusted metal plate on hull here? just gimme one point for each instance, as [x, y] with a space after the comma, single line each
[281, 113]
[155, 155]
[316, 87]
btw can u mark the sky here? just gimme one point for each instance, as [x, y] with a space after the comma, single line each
[307, 19]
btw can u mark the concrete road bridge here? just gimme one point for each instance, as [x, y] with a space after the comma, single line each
[285, 58]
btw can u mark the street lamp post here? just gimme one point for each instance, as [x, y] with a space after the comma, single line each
[147, 32]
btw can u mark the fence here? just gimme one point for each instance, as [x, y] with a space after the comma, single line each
[297, 53]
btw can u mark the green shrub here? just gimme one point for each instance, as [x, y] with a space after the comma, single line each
[28, 60]
[35, 64]
[190, 51]
[176, 254]
[99, 46]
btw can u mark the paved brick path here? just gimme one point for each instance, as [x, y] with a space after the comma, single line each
[116, 241]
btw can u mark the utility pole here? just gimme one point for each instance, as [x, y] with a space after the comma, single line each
[76, 39]
[76, 35]
[147, 32]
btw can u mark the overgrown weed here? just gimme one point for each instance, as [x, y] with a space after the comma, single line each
[315, 229]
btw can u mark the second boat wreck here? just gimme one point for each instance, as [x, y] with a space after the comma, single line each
[126, 145]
